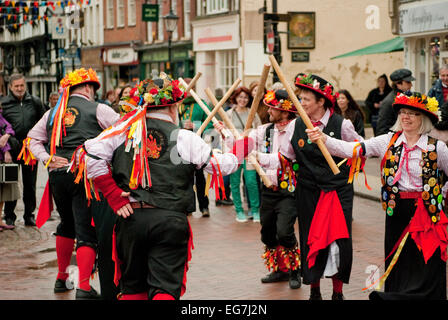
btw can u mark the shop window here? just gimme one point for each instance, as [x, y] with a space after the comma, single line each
[205, 7]
[420, 65]
[434, 49]
[445, 43]
[228, 68]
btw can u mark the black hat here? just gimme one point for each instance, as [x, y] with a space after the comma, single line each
[402, 74]
[316, 84]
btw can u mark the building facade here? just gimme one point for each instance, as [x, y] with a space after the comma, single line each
[424, 26]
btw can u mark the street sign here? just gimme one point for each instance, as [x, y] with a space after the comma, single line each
[150, 12]
[276, 17]
[270, 41]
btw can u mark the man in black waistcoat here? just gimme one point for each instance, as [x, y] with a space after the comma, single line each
[22, 111]
[153, 236]
[80, 118]
[324, 200]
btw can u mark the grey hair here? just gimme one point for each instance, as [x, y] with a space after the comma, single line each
[54, 93]
[15, 76]
[425, 127]
[443, 67]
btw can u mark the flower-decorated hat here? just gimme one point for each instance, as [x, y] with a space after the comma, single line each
[154, 93]
[80, 76]
[418, 102]
[318, 85]
[279, 100]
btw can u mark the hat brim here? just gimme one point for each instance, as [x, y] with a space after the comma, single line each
[408, 79]
[294, 110]
[315, 90]
[433, 117]
[164, 105]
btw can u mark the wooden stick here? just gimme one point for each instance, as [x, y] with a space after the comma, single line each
[218, 106]
[207, 111]
[229, 124]
[258, 97]
[192, 82]
[303, 114]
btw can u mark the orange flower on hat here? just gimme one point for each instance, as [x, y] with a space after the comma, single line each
[269, 96]
[286, 105]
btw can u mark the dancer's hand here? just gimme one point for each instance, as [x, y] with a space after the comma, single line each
[126, 210]
[316, 134]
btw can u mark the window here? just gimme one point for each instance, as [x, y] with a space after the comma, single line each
[160, 23]
[120, 13]
[131, 13]
[110, 12]
[175, 32]
[228, 67]
[217, 6]
[187, 26]
[434, 49]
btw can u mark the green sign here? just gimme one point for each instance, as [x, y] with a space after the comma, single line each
[150, 12]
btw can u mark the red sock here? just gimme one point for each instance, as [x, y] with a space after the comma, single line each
[163, 296]
[85, 257]
[64, 250]
[135, 296]
[316, 284]
[337, 285]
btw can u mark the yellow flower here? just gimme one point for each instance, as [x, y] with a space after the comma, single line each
[148, 98]
[270, 95]
[432, 105]
[287, 105]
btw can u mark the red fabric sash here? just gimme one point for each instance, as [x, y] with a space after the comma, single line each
[327, 226]
[45, 207]
[427, 235]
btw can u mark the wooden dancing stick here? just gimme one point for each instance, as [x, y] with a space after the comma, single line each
[257, 98]
[303, 114]
[199, 101]
[229, 124]
[218, 106]
[192, 82]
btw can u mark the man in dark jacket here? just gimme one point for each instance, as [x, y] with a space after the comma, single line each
[22, 111]
[440, 88]
[401, 82]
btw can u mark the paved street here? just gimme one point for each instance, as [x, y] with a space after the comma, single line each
[226, 262]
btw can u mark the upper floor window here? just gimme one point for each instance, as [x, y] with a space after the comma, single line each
[132, 13]
[110, 14]
[120, 13]
[206, 7]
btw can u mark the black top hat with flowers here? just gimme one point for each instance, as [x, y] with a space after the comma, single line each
[317, 84]
[418, 102]
[279, 100]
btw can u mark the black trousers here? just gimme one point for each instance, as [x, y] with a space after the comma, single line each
[278, 215]
[29, 179]
[200, 189]
[71, 203]
[153, 246]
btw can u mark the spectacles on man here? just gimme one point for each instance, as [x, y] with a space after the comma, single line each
[410, 114]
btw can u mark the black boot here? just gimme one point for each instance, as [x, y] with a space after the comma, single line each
[61, 286]
[276, 276]
[29, 221]
[315, 294]
[295, 281]
[337, 296]
[87, 295]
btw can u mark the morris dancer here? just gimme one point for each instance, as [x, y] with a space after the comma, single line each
[324, 200]
[53, 140]
[411, 196]
[150, 186]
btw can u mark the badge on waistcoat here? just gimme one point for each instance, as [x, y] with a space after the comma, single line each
[70, 116]
[156, 143]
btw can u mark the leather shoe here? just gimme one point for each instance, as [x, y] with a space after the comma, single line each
[315, 294]
[30, 222]
[10, 222]
[276, 276]
[87, 295]
[295, 281]
[224, 202]
[205, 213]
[61, 286]
[337, 296]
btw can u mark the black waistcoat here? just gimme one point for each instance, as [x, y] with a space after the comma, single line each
[313, 168]
[172, 179]
[81, 124]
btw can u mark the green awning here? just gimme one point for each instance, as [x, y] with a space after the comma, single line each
[392, 45]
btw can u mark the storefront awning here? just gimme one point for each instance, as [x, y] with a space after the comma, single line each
[392, 45]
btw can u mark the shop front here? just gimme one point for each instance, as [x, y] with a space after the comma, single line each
[91, 58]
[156, 58]
[120, 67]
[423, 25]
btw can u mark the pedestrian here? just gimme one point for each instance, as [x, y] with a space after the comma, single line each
[350, 110]
[375, 97]
[278, 211]
[238, 114]
[262, 110]
[8, 191]
[191, 117]
[415, 240]
[324, 201]
[109, 98]
[440, 88]
[401, 82]
[124, 93]
[22, 111]
[153, 194]
[76, 118]
[52, 100]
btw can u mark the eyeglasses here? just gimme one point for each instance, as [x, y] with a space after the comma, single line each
[410, 114]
